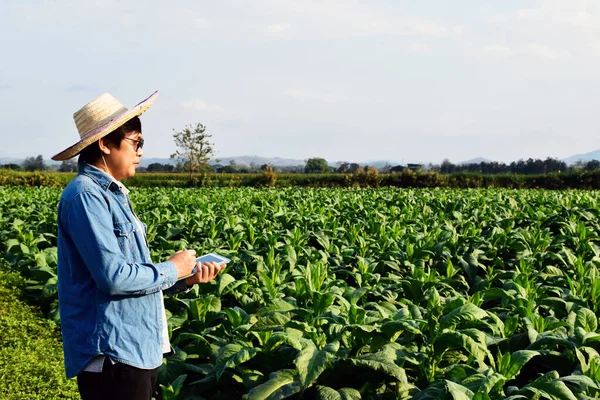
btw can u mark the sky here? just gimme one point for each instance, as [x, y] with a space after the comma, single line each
[346, 80]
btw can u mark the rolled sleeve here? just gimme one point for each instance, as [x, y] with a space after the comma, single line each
[169, 274]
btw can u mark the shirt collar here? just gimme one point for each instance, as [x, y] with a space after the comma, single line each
[101, 177]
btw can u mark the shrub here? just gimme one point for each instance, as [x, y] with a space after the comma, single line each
[31, 357]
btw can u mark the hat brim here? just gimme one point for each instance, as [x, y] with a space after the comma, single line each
[105, 129]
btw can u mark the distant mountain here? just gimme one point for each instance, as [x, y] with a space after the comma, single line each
[289, 162]
[594, 155]
[257, 160]
[11, 160]
[381, 163]
[477, 160]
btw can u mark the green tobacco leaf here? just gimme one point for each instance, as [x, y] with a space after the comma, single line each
[269, 284]
[173, 366]
[489, 382]
[279, 338]
[276, 305]
[321, 302]
[459, 392]
[236, 316]
[311, 362]
[252, 378]
[586, 319]
[456, 340]
[327, 393]
[382, 361]
[496, 294]
[290, 257]
[271, 321]
[549, 387]
[281, 384]
[232, 355]
[393, 329]
[10, 243]
[435, 391]
[581, 381]
[434, 299]
[50, 289]
[517, 360]
[323, 240]
[224, 280]
[465, 313]
[201, 306]
[357, 294]
[171, 392]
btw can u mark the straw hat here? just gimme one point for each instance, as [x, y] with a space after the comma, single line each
[100, 117]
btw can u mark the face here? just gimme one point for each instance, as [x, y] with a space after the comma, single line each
[123, 161]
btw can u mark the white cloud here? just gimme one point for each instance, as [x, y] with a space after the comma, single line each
[546, 52]
[419, 48]
[302, 94]
[278, 28]
[351, 18]
[310, 19]
[201, 105]
[555, 29]
[499, 50]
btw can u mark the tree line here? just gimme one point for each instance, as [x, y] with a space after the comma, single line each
[194, 155]
[318, 165]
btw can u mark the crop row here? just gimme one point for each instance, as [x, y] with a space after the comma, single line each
[363, 293]
[575, 179]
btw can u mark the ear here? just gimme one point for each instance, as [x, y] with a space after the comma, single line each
[104, 146]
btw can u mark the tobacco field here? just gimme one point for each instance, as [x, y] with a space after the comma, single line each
[361, 293]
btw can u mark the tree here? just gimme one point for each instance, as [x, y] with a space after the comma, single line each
[158, 167]
[194, 150]
[342, 168]
[316, 166]
[13, 166]
[447, 167]
[592, 165]
[34, 163]
[68, 166]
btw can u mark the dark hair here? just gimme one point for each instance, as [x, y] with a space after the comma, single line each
[92, 153]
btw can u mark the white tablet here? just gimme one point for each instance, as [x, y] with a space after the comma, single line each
[210, 257]
[213, 257]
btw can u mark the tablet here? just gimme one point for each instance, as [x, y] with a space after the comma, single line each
[210, 257]
[213, 257]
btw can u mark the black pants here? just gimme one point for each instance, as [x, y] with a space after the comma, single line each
[117, 381]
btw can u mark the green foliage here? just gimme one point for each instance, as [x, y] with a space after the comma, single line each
[372, 293]
[316, 165]
[576, 179]
[31, 363]
[194, 149]
[34, 163]
[20, 178]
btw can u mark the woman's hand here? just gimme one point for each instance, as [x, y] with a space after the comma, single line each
[184, 261]
[204, 273]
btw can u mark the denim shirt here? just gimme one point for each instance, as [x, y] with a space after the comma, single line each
[109, 290]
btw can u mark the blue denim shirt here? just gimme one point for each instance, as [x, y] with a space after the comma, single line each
[109, 290]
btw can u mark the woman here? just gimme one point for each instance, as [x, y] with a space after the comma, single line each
[110, 292]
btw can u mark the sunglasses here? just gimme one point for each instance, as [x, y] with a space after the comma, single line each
[137, 144]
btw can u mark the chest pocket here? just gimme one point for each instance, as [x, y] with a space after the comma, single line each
[125, 233]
